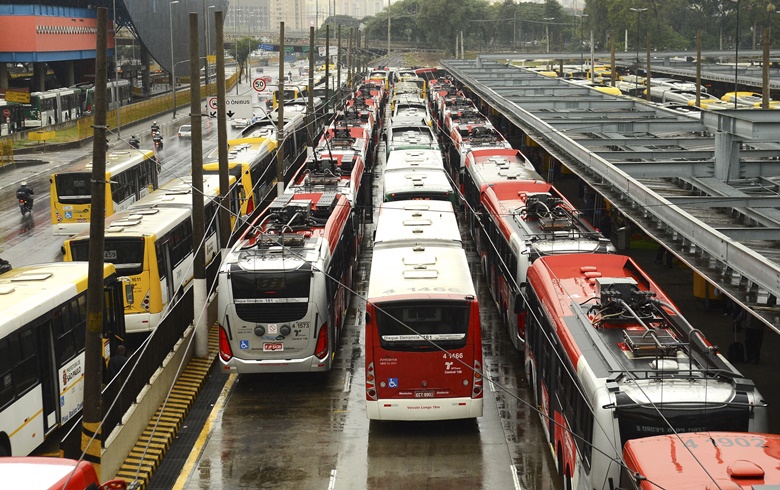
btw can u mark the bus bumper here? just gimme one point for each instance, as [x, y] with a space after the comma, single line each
[431, 409]
[310, 364]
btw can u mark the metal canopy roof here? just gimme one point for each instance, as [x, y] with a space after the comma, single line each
[706, 185]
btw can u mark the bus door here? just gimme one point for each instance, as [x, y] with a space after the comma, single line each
[48, 374]
[166, 273]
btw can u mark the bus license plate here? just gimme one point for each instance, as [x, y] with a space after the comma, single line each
[424, 394]
[273, 347]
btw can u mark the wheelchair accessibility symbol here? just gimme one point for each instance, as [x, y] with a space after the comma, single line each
[68, 214]
[392, 382]
[243, 344]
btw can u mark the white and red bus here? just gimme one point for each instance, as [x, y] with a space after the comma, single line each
[284, 286]
[699, 460]
[36, 472]
[609, 359]
[522, 221]
[423, 343]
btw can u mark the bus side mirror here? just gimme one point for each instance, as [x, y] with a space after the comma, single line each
[128, 290]
[368, 318]
[519, 303]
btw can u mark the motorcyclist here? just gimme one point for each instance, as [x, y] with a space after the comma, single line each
[155, 127]
[5, 266]
[158, 140]
[133, 142]
[25, 192]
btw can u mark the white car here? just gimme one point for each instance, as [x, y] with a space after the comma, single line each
[185, 132]
[239, 122]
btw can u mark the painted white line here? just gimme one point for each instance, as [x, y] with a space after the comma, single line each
[515, 479]
[348, 382]
[492, 386]
[332, 482]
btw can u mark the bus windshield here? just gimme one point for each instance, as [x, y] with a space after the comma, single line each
[414, 325]
[126, 254]
[271, 296]
[74, 187]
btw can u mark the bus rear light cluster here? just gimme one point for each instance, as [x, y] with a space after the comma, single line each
[225, 352]
[321, 351]
[370, 383]
[476, 391]
[522, 317]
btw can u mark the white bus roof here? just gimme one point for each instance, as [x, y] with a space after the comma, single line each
[417, 180]
[417, 222]
[414, 159]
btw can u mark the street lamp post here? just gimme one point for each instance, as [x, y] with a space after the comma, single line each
[582, 55]
[636, 70]
[547, 30]
[173, 65]
[388, 30]
[736, 58]
[208, 48]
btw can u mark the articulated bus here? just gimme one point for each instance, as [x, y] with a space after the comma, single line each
[151, 243]
[130, 175]
[699, 460]
[284, 286]
[43, 322]
[252, 158]
[118, 92]
[609, 359]
[423, 343]
[418, 184]
[52, 107]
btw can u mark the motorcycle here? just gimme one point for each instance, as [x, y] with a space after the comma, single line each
[25, 205]
[158, 144]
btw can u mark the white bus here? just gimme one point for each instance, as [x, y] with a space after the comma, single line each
[43, 321]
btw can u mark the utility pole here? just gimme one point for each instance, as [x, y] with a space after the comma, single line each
[222, 145]
[327, 68]
[698, 69]
[310, 102]
[388, 31]
[349, 59]
[647, 69]
[200, 295]
[280, 121]
[337, 90]
[91, 432]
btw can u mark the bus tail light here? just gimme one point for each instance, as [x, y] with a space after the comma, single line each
[321, 351]
[225, 352]
[250, 205]
[476, 391]
[371, 383]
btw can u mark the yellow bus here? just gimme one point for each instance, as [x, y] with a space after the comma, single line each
[151, 243]
[43, 321]
[130, 175]
[252, 158]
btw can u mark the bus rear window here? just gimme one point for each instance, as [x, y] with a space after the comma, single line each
[419, 325]
[126, 254]
[267, 297]
[73, 187]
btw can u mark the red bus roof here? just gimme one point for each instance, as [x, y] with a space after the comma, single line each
[700, 460]
[47, 473]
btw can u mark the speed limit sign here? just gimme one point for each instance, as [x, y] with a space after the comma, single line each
[258, 84]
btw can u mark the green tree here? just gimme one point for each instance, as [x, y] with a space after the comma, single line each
[243, 48]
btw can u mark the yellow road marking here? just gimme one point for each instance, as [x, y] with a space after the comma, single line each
[197, 449]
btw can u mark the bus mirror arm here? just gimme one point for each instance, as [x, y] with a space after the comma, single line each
[128, 289]
[519, 302]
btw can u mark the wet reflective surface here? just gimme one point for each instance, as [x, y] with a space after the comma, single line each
[311, 431]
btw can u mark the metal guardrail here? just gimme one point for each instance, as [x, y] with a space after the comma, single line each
[135, 374]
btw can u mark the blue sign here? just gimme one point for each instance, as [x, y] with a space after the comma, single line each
[243, 344]
[392, 382]
[267, 47]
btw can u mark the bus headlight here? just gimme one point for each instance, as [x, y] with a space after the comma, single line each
[260, 331]
[285, 330]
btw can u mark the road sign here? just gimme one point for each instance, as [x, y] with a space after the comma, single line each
[6, 112]
[258, 84]
[237, 106]
[17, 95]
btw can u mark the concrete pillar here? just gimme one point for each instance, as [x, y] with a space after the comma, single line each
[3, 76]
[726, 156]
[70, 67]
[145, 80]
[39, 77]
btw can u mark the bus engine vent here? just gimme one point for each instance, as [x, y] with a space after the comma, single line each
[651, 343]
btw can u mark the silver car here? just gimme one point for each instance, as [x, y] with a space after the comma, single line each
[185, 132]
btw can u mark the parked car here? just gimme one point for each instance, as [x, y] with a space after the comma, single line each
[185, 132]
